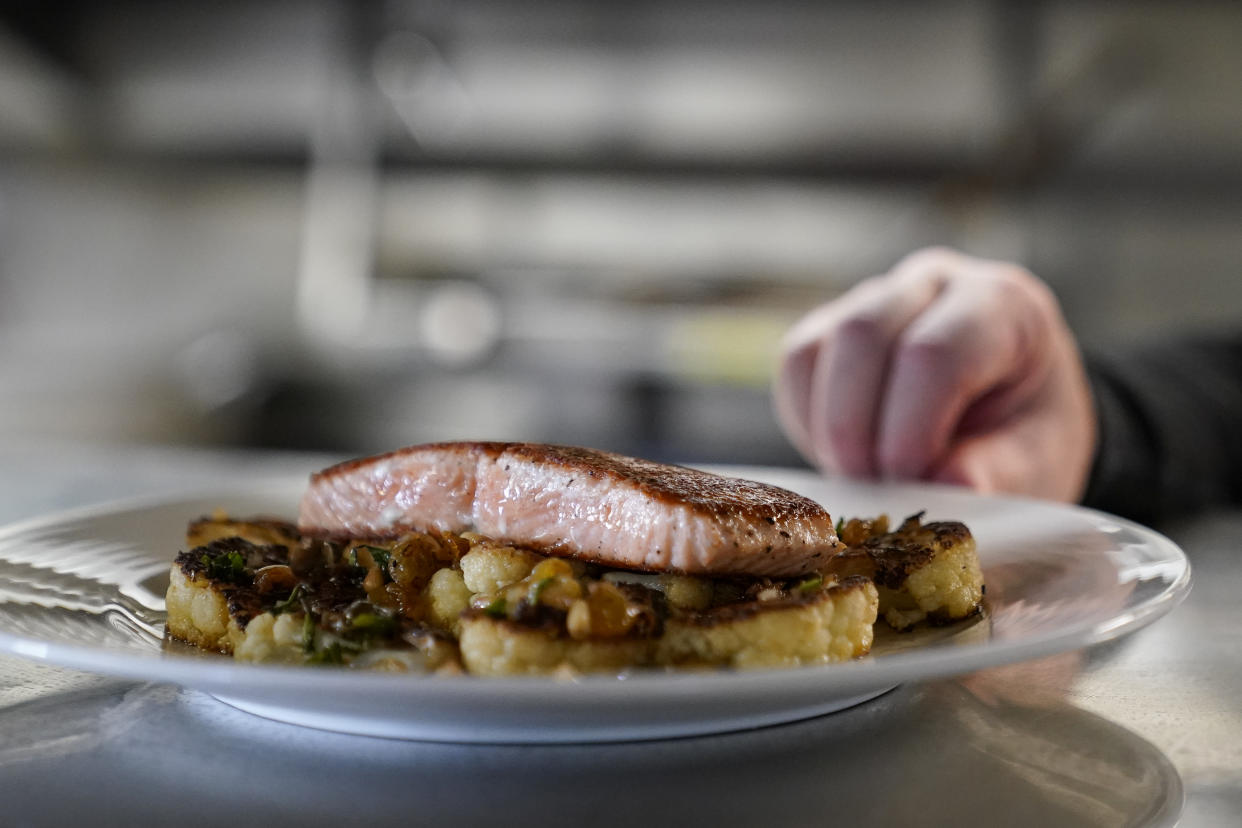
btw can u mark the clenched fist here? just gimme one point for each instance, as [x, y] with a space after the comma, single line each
[948, 368]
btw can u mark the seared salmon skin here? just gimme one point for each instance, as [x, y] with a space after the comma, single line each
[592, 505]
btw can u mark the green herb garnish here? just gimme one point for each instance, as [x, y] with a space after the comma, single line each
[330, 654]
[811, 584]
[497, 608]
[230, 566]
[840, 525]
[293, 602]
[369, 623]
[308, 634]
[332, 650]
[381, 556]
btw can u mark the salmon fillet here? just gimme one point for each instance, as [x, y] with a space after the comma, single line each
[593, 505]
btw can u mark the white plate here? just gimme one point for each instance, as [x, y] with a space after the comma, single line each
[85, 590]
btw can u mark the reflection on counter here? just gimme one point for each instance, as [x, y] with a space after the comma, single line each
[952, 756]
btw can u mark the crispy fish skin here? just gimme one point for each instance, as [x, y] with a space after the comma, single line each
[593, 505]
[923, 571]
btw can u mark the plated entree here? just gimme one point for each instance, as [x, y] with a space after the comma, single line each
[514, 558]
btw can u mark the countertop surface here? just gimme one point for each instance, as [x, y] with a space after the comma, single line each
[1142, 731]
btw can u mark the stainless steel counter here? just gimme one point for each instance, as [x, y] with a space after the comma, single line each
[1117, 735]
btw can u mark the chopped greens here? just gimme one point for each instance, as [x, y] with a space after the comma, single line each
[330, 654]
[292, 603]
[840, 525]
[381, 556]
[497, 608]
[230, 566]
[308, 633]
[332, 650]
[369, 623]
[811, 584]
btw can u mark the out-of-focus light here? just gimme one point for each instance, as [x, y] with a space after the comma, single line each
[421, 86]
[218, 368]
[460, 323]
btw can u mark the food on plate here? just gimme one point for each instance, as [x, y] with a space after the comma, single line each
[261, 591]
[922, 570]
[619, 623]
[591, 505]
[264, 592]
[512, 558]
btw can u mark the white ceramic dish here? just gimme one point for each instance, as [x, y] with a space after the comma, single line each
[85, 590]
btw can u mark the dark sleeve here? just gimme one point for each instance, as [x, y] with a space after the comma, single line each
[1170, 418]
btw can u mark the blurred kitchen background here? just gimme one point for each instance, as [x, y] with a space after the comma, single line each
[349, 226]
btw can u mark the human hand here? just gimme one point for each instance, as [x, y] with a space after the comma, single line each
[948, 368]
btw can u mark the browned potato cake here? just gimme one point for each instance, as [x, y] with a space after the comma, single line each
[824, 622]
[922, 571]
[261, 592]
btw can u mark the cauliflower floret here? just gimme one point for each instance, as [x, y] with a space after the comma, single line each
[197, 613]
[447, 598]
[490, 569]
[270, 638]
[838, 626]
[491, 647]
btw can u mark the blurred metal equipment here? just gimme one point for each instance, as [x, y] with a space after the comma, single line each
[350, 225]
